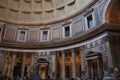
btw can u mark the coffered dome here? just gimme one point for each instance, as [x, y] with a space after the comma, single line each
[40, 11]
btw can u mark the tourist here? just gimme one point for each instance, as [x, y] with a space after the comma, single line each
[77, 78]
[107, 78]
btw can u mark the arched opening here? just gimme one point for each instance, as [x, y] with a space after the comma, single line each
[43, 66]
[112, 14]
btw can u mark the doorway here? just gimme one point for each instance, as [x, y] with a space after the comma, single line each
[93, 69]
[43, 66]
[43, 71]
[95, 65]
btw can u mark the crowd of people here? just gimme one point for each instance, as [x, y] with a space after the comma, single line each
[25, 78]
[13, 78]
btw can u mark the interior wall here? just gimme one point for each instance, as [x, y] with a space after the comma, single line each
[113, 12]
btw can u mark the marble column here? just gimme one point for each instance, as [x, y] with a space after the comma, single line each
[63, 66]
[29, 69]
[32, 63]
[5, 65]
[13, 64]
[23, 65]
[73, 64]
[9, 67]
[53, 64]
[6, 61]
[83, 66]
[2, 63]
[32, 59]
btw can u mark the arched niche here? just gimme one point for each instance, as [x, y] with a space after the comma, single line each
[42, 60]
[112, 14]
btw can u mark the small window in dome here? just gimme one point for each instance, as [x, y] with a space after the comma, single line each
[90, 21]
[22, 35]
[45, 35]
[67, 31]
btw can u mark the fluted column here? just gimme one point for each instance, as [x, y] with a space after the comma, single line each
[9, 64]
[9, 67]
[5, 66]
[23, 64]
[63, 65]
[3, 63]
[83, 66]
[32, 59]
[73, 64]
[13, 64]
[31, 64]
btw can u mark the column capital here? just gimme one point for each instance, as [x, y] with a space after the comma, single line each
[14, 55]
[72, 50]
[62, 51]
[24, 54]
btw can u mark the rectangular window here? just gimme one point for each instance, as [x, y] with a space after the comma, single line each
[45, 35]
[67, 31]
[22, 36]
[90, 21]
